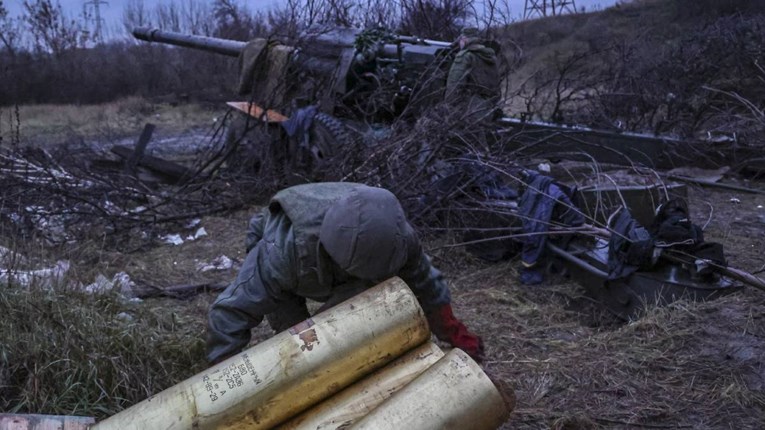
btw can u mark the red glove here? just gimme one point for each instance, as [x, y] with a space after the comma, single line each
[448, 328]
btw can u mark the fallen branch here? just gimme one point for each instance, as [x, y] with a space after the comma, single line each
[172, 171]
[182, 291]
[678, 257]
[730, 272]
[706, 183]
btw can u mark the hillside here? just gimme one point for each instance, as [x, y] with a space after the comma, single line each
[677, 67]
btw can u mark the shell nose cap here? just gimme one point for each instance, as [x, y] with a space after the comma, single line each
[365, 233]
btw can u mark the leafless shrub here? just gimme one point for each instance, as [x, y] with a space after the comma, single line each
[51, 30]
[10, 32]
[648, 84]
[437, 19]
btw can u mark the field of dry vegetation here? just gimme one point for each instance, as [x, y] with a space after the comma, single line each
[72, 344]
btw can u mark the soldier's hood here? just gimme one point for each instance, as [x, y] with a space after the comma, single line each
[365, 233]
[487, 54]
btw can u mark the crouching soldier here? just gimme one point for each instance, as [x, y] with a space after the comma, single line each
[327, 242]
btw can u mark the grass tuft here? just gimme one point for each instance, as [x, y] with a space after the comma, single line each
[68, 352]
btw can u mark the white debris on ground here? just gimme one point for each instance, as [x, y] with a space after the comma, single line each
[124, 317]
[177, 239]
[172, 239]
[10, 258]
[192, 223]
[219, 263]
[199, 233]
[44, 278]
[121, 282]
[51, 226]
[50, 277]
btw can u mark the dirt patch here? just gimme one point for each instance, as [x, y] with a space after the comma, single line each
[572, 365]
[167, 265]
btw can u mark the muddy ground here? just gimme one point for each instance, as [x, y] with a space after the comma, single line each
[571, 364]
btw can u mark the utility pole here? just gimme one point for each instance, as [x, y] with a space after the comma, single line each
[92, 9]
[544, 8]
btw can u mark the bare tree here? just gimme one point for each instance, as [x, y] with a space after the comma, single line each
[51, 30]
[495, 14]
[135, 14]
[341, 13]
[197, 17]
[437, 19]
[284, 20]
[168, 16]
[379, 13]
[235, 21]
[10, 31]
[187, 16]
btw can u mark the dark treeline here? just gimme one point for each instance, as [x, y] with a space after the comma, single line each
[107, 72]
[113, 70]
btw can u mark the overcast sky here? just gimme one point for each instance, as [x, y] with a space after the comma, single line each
[112, 10]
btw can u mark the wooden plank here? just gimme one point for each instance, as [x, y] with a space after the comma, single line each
[170, 170]
[256, 111]
[140, 147]
[44, 422]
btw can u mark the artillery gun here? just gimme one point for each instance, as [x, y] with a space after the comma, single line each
[329, 82]
[303, 97]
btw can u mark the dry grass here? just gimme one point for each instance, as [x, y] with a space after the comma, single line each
[67, 352]
[689, 365]
[40, 124]
[63, 351]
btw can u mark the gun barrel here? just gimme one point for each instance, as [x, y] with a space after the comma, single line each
[231, 48]
[419, 41]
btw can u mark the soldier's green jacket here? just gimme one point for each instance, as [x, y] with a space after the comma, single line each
[286, 263]
[474, 71]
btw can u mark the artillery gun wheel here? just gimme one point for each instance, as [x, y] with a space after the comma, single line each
[253, 147]
[266, 151]
[328, 139]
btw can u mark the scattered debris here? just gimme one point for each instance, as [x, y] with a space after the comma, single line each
[192, 223]
[9, 258]
[120, 282]
[199, 233]
[176, 239]
[124, 317]
[172, 239]
[43, 278]
[219, 263]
